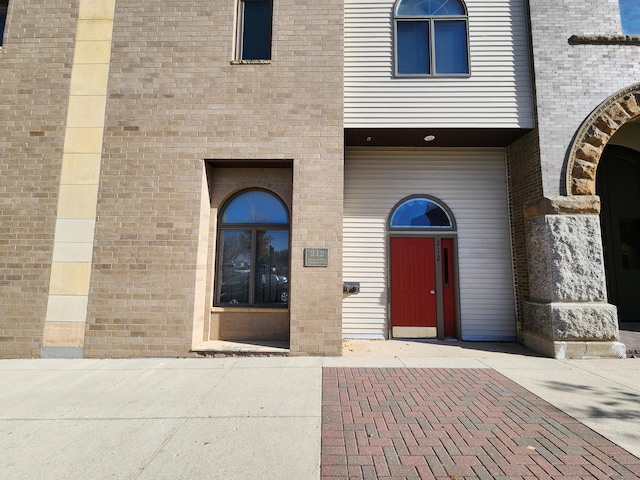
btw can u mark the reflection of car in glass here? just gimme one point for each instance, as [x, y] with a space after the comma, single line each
[269, 288]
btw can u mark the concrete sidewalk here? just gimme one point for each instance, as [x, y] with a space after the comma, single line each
[252, 418]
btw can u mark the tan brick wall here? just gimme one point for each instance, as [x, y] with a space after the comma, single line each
[176, 100]
[265, 325]
[35, 70]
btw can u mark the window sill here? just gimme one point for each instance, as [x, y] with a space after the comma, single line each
[434, 76]
[250, 62]
[248, 309]
[245, 348]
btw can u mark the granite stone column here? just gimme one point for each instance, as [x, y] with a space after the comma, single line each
[567, 314]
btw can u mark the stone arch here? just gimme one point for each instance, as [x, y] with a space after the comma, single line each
[594, 134]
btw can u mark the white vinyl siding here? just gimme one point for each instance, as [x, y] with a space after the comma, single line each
[497, 94]
[472, 183]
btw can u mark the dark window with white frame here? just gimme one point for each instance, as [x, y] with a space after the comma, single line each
[254, 29]
[4, 7]
[431, 38]
[253, 251]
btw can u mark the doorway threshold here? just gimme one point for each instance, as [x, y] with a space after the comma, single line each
[245, 348]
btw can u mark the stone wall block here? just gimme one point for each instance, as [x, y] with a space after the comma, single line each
[596, 137]
[572, 321]
[581, 186]
[537, 318]
[589, 153]
[566, 205]
[578, 258]
[565, 259]
[630, 104]
[618, 114]
[537, 255]
[585, 322]
[586, 170]
[606, 124]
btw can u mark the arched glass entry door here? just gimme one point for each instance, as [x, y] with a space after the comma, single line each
[618, 185]
[422, 274]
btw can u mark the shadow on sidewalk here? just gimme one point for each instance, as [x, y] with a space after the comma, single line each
[600, 402]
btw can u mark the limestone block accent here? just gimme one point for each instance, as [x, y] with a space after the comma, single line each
[66, 308]
[69, 278]
[573, 350]
[91, 29]
[64, 334]
[83, 140]
[565, 259]
[80, 169]
[204, 292]
[86, 111]
[77, 201]
[90, 79]
[97, 51]
[96, 9]
[70, 230]
[572, 321]
[73, 252]
[73, 243]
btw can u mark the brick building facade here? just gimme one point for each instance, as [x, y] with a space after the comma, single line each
[130, 128]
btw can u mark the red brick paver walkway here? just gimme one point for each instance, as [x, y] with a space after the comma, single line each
[630, 336]
[406, 423]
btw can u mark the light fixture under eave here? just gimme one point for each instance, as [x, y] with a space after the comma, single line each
[429, 138]
[368, 139]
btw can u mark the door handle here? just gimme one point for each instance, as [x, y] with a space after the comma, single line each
[432, 292]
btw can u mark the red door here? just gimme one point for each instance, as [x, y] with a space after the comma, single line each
[413, 287]
[415, 297]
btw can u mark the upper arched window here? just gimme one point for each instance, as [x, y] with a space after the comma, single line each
[431, 37]
[420, 213]
[253, 251]
[255, 206]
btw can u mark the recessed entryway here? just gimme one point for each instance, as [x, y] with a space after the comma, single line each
[618, 185]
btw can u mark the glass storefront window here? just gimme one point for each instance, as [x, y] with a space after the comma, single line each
[253, 261]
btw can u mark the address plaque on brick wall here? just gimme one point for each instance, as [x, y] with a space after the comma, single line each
[316, 257]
